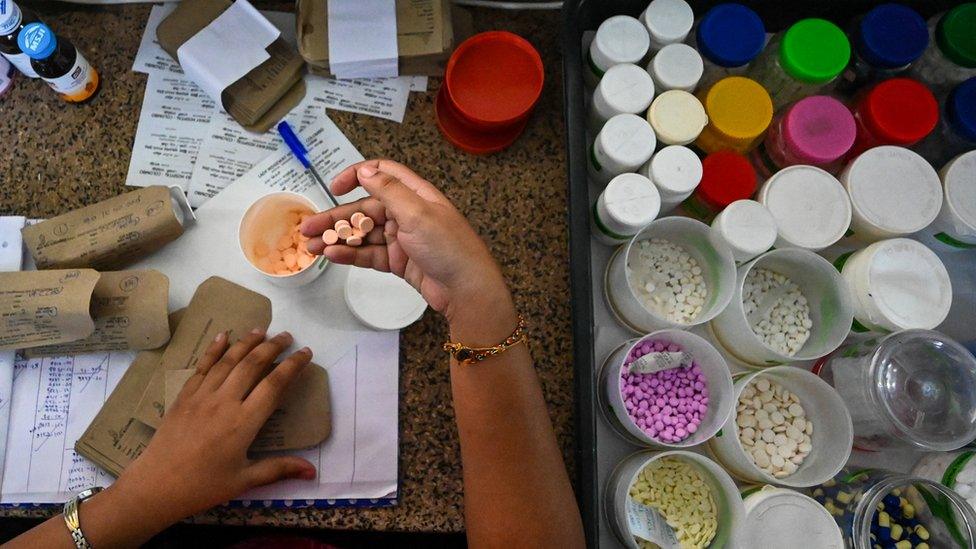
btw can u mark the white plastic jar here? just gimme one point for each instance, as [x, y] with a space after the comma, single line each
[893, 191]
[955, 227]
[777, 514]
[811, 208]
[747, 227]
[624, 89]
[897, 284]
[619, 39]
[624, 143]
[629, 202]
[676, 67]
[677, 117]
[667, 22]
[676, 171]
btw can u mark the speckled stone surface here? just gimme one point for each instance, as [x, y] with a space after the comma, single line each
[55, 156]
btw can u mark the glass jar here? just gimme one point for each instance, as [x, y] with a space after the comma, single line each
[817, 131]
[951, 55]
[885, 42]
[956, 132]
[729, 37]
[874, 507]
[739, 112]
[899, 111]
[801, 61]
[914, 389]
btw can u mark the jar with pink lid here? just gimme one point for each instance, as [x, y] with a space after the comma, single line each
[817, 131]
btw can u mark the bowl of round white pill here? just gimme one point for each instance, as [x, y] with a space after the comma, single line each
[272, 243]
[668, 389]
[789, 428]
[670, 275]
[692, 493]
[788, 305]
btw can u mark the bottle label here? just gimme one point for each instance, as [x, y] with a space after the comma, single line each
[78, 84]
[22, 62]
[9, 16]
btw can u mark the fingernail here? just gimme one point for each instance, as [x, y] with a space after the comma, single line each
[285, 335]
[305, 350]
[257, 331]
[220, 337]
[307, 474]
[367, 171]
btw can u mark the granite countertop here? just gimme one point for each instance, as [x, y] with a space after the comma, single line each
[56, 156]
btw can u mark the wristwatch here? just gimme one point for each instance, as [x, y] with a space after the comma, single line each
[71, 517]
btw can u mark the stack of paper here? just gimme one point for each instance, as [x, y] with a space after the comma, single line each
[362, 38]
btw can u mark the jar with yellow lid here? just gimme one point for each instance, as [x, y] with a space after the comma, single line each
[739, 112]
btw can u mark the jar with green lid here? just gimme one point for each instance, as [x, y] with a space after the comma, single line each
[951, 55]
[802, 60]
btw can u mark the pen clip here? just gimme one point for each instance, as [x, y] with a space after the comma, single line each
[290, 139]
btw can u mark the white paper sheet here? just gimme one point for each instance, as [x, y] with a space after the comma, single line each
[380, 97]
[362, 38]
[11, 255]
[231, 46]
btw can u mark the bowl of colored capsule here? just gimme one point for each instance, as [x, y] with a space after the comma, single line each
[668, 389]
[272, 242]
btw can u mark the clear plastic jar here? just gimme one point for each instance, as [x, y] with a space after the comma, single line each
[956, 132]
[871, 505]
[951, 55]
[899, 111]
[817, 131]
[886, 41]
[801, 61]
[729, 37]
[739, 112]
[914, 389]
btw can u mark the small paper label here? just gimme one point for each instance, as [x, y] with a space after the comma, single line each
[655, 362]
[647, 524]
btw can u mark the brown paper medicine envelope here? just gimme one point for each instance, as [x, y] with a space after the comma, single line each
[45, 307]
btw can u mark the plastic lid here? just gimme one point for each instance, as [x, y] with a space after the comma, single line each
[37, 40]
[632, 200]
[619, 39]
[382, 301]
[727, 176]
[676, 169]
[961, 109]
[810, 206]
[959, 177]
[739, 107]
[627, 138]
[730, 35]
[677, 117]
[926, 383]
[668, 20]
[747, 226]
[468, 139]
[677, 66]
[494, 77]
[899, 111]
[819, 129]
[956, 36]
[814, 51]
[626, 88]
[777, 514]
[891, 36]
[894, 189]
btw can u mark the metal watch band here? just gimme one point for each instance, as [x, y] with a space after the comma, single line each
[71, 519]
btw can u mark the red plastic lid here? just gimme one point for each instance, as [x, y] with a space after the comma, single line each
[463, 136]
[899, 111]
[727, 176]
[494, 78]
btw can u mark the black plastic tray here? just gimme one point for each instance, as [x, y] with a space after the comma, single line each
[578, 17]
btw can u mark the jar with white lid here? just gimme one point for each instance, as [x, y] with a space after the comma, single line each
[950, 57]
[629, 202]
[619, 39]
[747, 227]
[777, 514]
[624, 143]
[897, 284]
[676, 67]
[954, 229]
[893, 192]
[677, 117]
[624, 89]
[811, 208]
[667, 22]
[675, 171]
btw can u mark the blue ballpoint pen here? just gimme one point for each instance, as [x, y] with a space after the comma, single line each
[301, 153]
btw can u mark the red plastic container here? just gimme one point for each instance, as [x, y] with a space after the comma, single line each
[727, 176]
[899, 111]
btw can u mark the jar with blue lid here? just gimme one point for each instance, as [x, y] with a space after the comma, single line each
[956, 132]
[729, 37]
[885, 42]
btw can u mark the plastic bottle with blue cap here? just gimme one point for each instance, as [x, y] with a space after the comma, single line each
[885, 42]
[729, 37]
[956, 132]
[12, 20]
[59, 63]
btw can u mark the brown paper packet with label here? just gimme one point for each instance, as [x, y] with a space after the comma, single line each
[302, 420]
[261, 97]
[111, 233]
[129, 309]
[45, 307]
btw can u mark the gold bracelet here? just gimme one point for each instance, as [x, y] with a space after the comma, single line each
[469, 355]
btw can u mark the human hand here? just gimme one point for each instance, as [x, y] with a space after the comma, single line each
[419, 236]
[198, 456]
